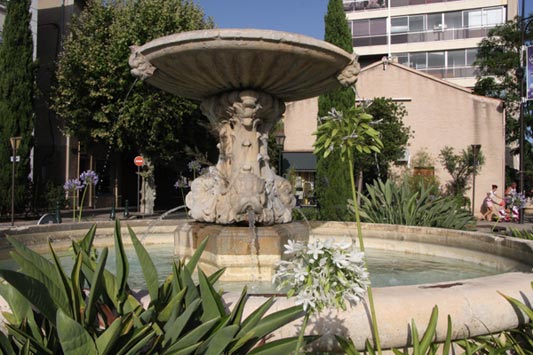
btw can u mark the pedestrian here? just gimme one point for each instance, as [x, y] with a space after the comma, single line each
[487, 208]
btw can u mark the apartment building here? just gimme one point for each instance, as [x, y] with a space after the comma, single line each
[437, 37]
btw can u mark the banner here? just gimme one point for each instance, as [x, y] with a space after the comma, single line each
[529, 73]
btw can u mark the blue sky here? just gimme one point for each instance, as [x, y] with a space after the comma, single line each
[300, 16]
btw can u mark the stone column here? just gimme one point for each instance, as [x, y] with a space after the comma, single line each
[242, 183]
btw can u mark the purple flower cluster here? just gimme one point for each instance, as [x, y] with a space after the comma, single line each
[73, 185]
[89, 177]
[86, 178]
[181, 183]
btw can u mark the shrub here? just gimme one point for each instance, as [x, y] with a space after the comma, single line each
[399, 204]
[92, 311]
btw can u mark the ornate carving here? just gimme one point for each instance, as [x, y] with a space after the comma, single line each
[348, 76]
[141, 67]
[242, 180]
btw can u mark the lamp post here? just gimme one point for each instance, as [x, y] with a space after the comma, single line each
[15, 143]
[475, 151]
[280, 141]
[524, 24]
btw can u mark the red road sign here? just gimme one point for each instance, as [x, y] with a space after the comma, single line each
[139, 160]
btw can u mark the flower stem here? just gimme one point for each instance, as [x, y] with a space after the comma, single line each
[81, 202]
[377, 341]
[73, 206]
[302, 332]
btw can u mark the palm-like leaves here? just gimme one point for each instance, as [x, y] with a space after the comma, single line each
[92, 311]
[391, 204]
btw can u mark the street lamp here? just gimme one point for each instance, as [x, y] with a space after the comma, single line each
[280, 141]
[475, 151]
[524, 24]
[15, 143]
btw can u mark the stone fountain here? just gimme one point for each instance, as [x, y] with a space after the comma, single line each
[242, 79]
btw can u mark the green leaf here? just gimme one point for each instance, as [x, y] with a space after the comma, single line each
[5, 346]
[347, 345]
[147, 265]
[87, 241]
[122, 265]
[19, 306]
[106, 340]
[194, 335]
[34, 291]
[173, 329]
[429, 334]
[211, 300]
[220, 340]
[282, 346]
[75, 340]
[174, 304]
[97, 287]
[193, 261]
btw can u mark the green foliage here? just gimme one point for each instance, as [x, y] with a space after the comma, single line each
[91, 311]
[419, 345]
[498, 58]
[17, 81]
[101, 101]
[388, 116]
[391, 204]
[332, 178]
[461, 167]
[340, 136]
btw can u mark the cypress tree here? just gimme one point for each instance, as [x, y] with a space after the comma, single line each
[17, 72]
[333, 187]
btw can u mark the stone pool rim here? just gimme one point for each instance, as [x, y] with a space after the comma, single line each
[475, 306]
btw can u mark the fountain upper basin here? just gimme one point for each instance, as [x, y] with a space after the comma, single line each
[201, 64]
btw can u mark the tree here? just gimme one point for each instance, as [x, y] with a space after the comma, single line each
[497, 60]
[388, 116]
[332, 177]
[461, 167]
[98, 98]
[17, 82]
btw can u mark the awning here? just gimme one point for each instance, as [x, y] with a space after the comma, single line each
[299, 161]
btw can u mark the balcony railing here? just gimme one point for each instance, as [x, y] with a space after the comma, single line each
[362, 5]
[426, 36]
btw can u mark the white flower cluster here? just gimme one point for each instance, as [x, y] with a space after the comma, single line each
[323, 274]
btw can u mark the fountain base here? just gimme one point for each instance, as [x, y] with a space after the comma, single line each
[232, 247]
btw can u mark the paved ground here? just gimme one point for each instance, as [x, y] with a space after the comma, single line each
[104, 215]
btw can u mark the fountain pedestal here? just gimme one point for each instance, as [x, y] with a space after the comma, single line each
[242, 181]
[245, 257]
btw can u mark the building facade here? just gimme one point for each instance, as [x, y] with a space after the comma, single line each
[437, 37]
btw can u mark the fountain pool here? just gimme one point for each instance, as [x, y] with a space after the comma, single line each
[475, 305]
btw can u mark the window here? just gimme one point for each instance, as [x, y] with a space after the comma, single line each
[418, 60]
[378, 26]
[453, 20]
[493, 17]
[403, 58]
[456, 59]
[472, 18]
[360, 28]
[435, 60]
[471, 55]
[399, 24]
[435, 22]
[416, 23]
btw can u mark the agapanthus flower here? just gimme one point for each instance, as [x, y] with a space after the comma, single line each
[194, 165]
[89, 177]
[182, 182]
[72, 185]
[323, 274]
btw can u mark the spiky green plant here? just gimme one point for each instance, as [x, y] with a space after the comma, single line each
[389, 203]
[91, 311]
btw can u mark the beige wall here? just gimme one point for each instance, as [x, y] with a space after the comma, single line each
[300, 121]
[442, 114]
[439, 113]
